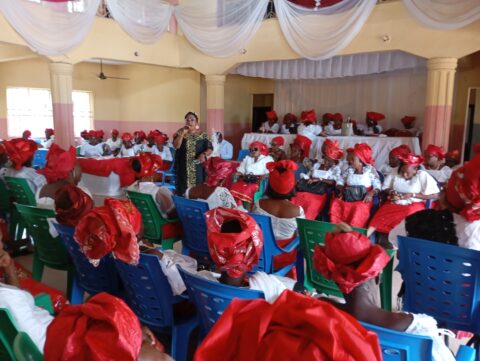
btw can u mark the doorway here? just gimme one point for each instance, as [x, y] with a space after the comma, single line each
[472, 128]
[261, 104]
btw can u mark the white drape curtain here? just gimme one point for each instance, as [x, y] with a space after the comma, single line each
[324, 32]
[394, 94]
[50, 28]
[144, 20]
[220, 28]
[444, 14]
[336, 67]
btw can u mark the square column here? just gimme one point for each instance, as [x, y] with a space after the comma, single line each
[215, 102]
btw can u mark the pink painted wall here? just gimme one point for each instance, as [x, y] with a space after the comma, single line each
[437, 125]
[168, 128]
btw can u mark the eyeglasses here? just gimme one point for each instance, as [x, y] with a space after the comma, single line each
[253, 150]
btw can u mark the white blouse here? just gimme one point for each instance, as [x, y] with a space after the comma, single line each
[441, 175]
[332, 131]
[165, 154]
[114, 145]
[310, 131]
[424, 325]
[221, 197]
[250, 166]
[422, 183]
[124, 152]
[283, 228]
[334, 173]
[91, 151]
[369, 178]
[274, 128]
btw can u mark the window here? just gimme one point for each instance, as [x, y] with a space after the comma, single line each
[30, 108]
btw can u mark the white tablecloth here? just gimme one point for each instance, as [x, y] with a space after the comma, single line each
[381, 146]
[102, 186]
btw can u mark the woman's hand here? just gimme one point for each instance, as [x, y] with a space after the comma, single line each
[369, 196]
[406, 196]
[340, 192]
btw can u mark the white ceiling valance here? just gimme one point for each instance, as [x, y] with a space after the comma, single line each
[336, 67]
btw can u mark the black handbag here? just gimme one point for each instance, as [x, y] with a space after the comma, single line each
[316, 187]
[354, 193]
[250, 178]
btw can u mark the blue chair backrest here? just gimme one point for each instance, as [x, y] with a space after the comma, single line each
[242, 154]
[40, 158]
[147, 291]
[192, 216]
[212, 298]
[103, 278]
[270, 247]
[442, 281]
[401, 346]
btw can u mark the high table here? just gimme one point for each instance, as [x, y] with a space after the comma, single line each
[381, 146]
[106, 176]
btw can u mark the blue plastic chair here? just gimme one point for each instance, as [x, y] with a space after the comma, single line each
[442, 281]
[401, 346]
[192, 216]
[149, 295]
[90, 279]
[271, 248]
[40, 158]
[170, 174]
[212, 298]
[242, 153]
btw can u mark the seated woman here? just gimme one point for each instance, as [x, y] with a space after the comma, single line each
[60, 169]
[276, 151]
[215, 190]
[21, 152]
[457, 217]
[127, 149]
[299, 151]
[434, 164]
[145, 167]
[452, 159]
[139, 138]
[393, 159]
[114, 143]
[94, 147]
[353, 263]
[354, 199]
[251, 171]
[290, 124]
[408, 190]
[235, 242]
[277, 205]
[271, 125]
[308, 126]
[71, 204]
[160, 148]
[334, 127]
[326, 173]
[372, 119]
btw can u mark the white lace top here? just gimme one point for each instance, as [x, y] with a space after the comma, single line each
[91, 151]
[334, 173]
[283, 228]
[310, 131]
[250, 166]
[114, 144]
[221, 197]
[440, 175]
[274, 128]
[369, 178]
[165, 153]
[424, 325]
[124, 152]
[422, 183]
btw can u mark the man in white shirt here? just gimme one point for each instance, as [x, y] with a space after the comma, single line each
[226, 148]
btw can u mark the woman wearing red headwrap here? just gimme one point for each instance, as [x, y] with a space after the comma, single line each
[294, 328]
[252, 169]
[282, 212]
[139, 143]
[271, 125]
[127, 149]
[235, 242]
[290, 124]
[71, 204]
[372, 119]
[435, 165]
[163, 150]
[26, 134]
[334, 127]
[60, 169]
[457, 217]
[21, 152]
[114, 142]
[49, 138]
[360, 184]
[394, 160]
[215, 189]
[94, 147]
[353, 263]
[408, 189]
[323, 177]
[276, 151]
[309, 128]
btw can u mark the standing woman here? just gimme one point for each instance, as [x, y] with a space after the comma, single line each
[192, 147]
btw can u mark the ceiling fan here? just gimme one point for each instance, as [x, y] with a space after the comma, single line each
[102, 76]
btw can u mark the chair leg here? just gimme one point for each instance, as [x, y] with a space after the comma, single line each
[300, 265]
[70, 283]
[77, 292]
[37, 268]
[181, 339]
[386, 286]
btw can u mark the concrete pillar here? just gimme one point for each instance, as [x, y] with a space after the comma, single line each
[438, 108]
[61, 88]
[215, 102]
